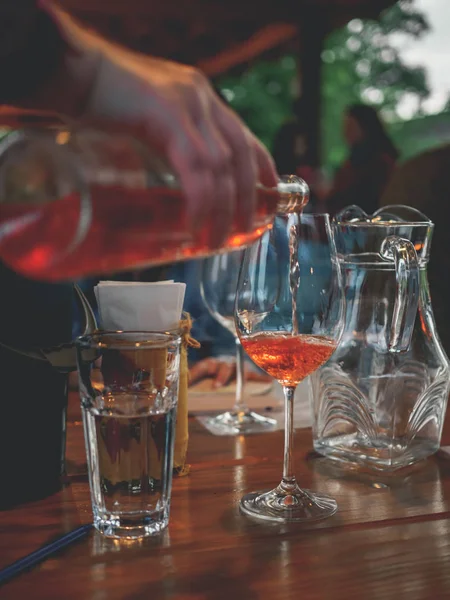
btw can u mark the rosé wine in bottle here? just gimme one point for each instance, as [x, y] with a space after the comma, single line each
[79, 203]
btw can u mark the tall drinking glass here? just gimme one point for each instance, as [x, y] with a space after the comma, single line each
[289, 317]
[129, 392]
[218, 289]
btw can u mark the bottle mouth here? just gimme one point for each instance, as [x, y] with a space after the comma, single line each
[291, 184]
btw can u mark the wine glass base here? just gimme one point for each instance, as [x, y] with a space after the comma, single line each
[276, 505]
[240, 423]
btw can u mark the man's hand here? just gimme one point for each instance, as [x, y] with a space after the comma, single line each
[173, 109]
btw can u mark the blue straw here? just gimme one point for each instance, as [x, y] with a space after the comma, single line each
[38, 556]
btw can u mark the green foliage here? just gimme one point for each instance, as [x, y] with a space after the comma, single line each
[263, 96]
[360, 64]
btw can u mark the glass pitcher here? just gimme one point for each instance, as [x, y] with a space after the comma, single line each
[380, 400]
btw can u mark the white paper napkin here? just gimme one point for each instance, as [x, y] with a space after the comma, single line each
[139, 306]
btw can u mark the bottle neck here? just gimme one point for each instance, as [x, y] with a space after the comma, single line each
[293, 194]
[291, 203]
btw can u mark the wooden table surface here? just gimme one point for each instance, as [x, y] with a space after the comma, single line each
[389, 540]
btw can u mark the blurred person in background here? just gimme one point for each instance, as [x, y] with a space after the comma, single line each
[423, 182]
[371, 160]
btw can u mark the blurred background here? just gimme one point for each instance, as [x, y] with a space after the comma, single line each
[264, 56]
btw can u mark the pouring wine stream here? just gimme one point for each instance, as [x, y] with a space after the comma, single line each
[294, 267]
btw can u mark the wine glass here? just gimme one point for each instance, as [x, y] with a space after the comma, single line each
[218, 290]
[289, 316]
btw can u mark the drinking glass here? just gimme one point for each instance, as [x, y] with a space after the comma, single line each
[218, 290]
[289, 317]
[129, 392]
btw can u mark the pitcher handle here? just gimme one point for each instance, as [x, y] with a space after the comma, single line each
[404, 255]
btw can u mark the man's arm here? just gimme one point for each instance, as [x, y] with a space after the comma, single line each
[49, 61]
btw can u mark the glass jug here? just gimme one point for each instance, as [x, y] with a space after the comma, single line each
[380, 400]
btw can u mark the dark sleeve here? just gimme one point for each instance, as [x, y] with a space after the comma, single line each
[31, 49]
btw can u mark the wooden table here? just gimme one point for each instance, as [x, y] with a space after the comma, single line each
[389, 540]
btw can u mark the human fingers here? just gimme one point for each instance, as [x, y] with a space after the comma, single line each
[203, 369]
[188, 154]
[267, 173]
[244, 163]
[222, 202]
[226, 371]
[199, 150]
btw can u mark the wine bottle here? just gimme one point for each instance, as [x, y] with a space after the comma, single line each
[84, 202]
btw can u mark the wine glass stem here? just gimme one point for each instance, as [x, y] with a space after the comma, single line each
[288, 483]
[239, 405]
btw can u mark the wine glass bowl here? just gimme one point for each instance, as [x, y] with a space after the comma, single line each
[218, 290]
[289, 317]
